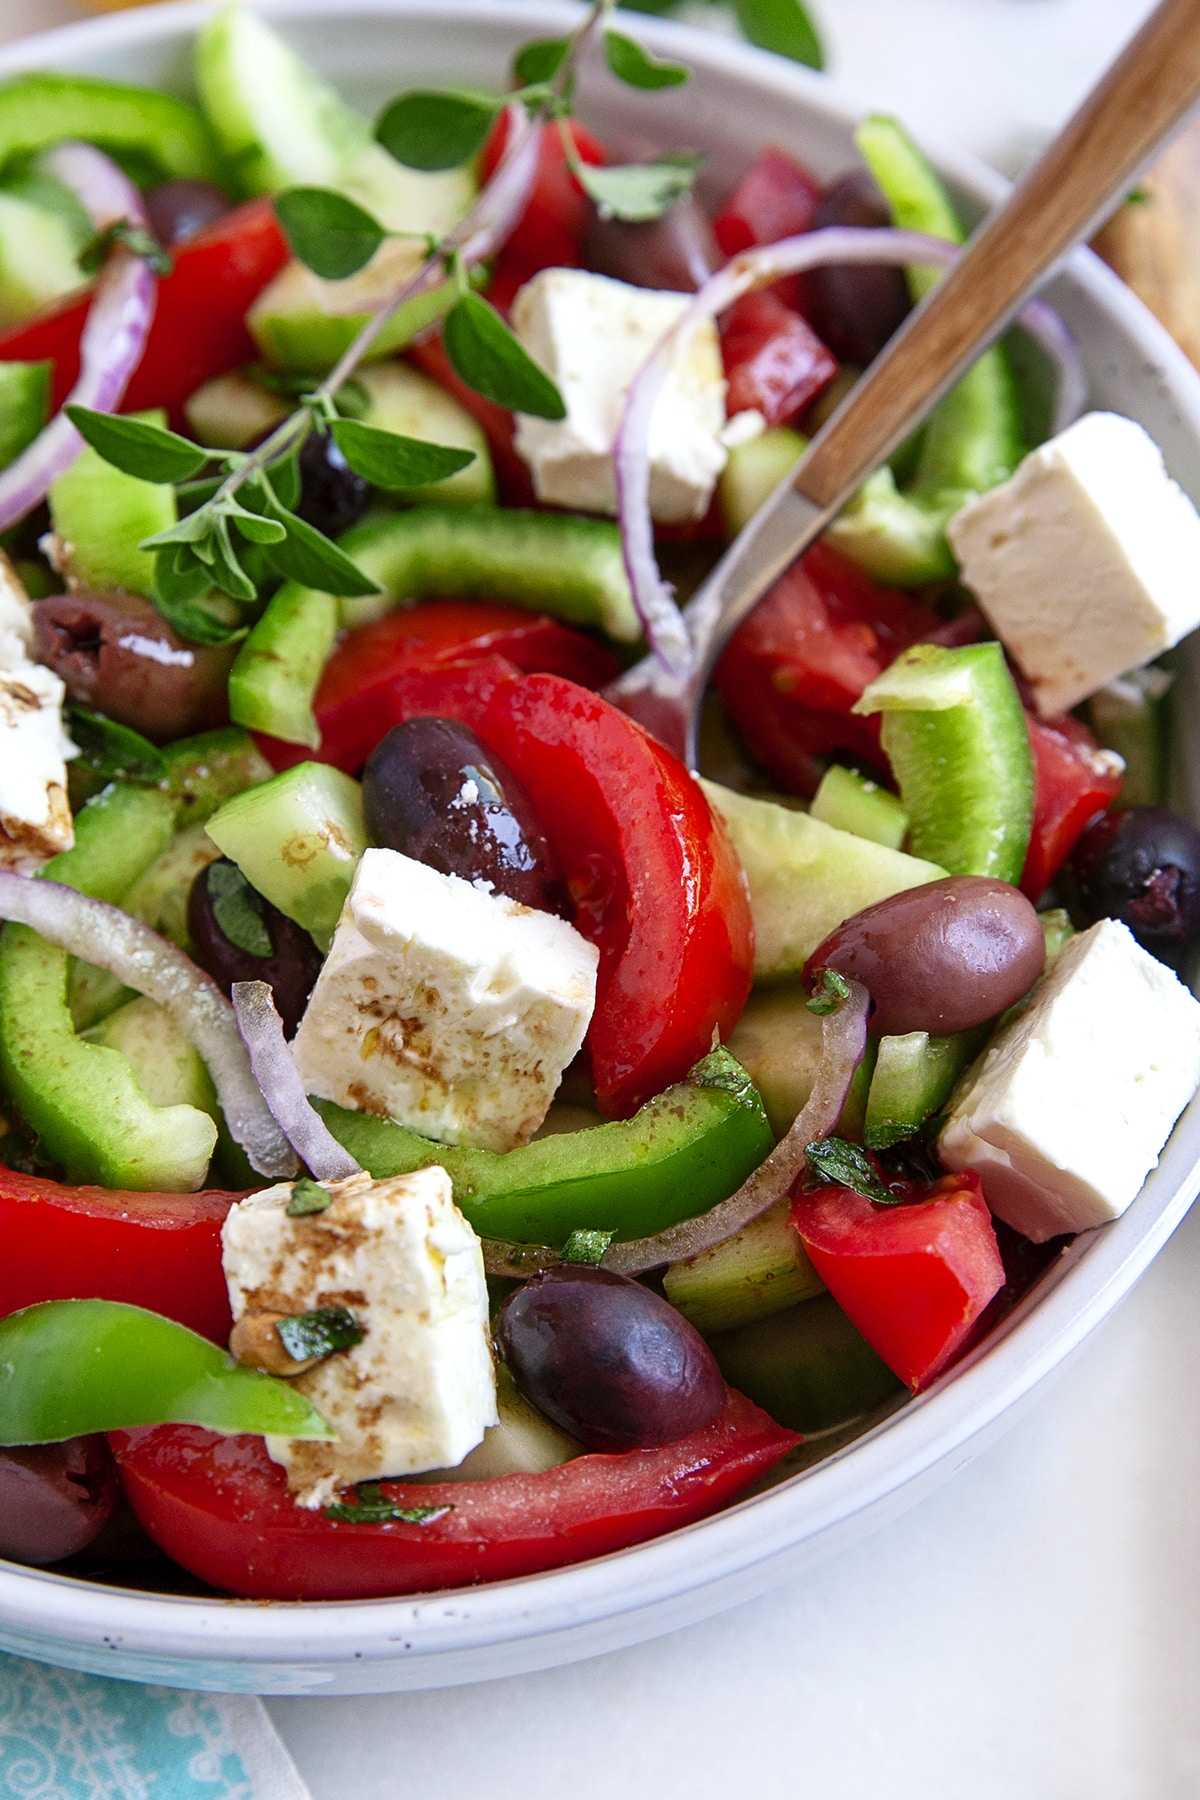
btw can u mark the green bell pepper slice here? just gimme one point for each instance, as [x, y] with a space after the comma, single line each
[154, 136]
[568, 567]
[72, 1367]
[972, 440]
[954, 731]
[681, 1153]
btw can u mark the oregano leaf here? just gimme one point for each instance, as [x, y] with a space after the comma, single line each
[305, 555]
[125, 235]
[783, 26]
[631, 63]
[238, 909]
[540, 60]
[638, 191]
[388, 460]
[329, 233]
[228, 573]
[844, 1165]
[495, 363]
[136, 447]
[114, 752]
[432, 131]
[202, 617]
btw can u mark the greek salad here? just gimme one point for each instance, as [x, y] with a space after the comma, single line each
[442, 1137]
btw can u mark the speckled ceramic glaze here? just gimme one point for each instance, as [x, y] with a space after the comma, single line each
[737, 99]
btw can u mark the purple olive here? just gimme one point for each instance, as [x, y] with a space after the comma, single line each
[116, 653]
[609, 1360]
[939, 958]
[55, 1498]
[855, 307]
[434, 792]
[332, 496]
[180, 210]
[677, 251]
[237, 935]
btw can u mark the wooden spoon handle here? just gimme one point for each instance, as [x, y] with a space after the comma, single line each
[1097, 157]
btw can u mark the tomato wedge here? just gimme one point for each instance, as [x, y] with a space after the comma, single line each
[160, 1251]
[199, 327]
[219, 1507]
[775, 198]
[913, 1278]
[774, 361]
[1074, 780]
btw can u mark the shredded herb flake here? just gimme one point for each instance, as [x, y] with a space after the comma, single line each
[846, 1165]
[832, 989]
[587, 1246]
[371, 1507]
[314, 1334]
[308, 1197]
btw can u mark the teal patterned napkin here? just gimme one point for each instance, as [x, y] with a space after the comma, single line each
[65, 1736]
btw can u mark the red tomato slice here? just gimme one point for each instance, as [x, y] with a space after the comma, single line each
[776, 198]
[161, 1251]
[199, 327]
[219, 1507]
[354, 704]
[774, 361]
[549, 233]
[1074, 781]
[791, 674]
[913, 1278]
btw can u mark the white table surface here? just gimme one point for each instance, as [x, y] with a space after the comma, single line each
[1033, 1631]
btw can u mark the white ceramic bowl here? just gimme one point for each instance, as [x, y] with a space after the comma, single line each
[737, 99]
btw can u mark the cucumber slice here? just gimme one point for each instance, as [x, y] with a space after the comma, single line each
[232, 412]
[304, 324]
[24, 405]
[1130, 716]
[167, 1068]
[151, 134]
[778, 1043]
[402, 399]
[753, 472]
[763, 1270]
[808, 1367]
[281, 124]
[298, 840]
[914, 1077]
[39, 257]
[206, 770]
[851, 802]
[954, 731]
[101, 515]
[805, 878]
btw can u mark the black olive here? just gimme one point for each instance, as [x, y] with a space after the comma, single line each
[855, 307]
[55, 1498]
[1141, 864]
[332, 496]
[237, 935]
[179, 210]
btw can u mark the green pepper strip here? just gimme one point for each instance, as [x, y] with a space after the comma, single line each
[82, 1099]
[153, 135]
[680, 1154]
[549, 562]
[972, 440]
[954, 731]
[71, 1367]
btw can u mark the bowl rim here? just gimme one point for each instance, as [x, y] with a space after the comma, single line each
[55, 1616]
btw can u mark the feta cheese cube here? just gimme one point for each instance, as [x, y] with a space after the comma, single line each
[445, 1006]
[592, 335]
[16, 618]
[419, 1391]
[1072, 1104]
[1085, 562]
[35, 816]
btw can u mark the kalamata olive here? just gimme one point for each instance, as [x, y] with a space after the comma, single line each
[237, 935]
[609, 1360]
[677, 251]
[117, 654]
[332, 496]
[1142, 865]
[855, 307]
[55, 1498]
[939, 958]
[434, 792]
[180, 210]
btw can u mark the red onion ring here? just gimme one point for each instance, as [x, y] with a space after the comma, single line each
[114, 334]
[103, 934]
[666, 631]
[282, 1089]
[843, 1041]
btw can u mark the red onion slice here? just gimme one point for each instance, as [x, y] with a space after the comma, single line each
[103, 934]
[114, 335]
[665, 628]
[282, 1089]
[843, 1040]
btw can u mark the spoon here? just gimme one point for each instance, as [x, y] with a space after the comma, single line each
[1092, 163]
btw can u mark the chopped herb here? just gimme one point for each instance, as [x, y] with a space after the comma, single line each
[238, 909]
[846, 1165]
[587, 1246]
[127, 236]
[319, 1333]
[832, 989]
[371, 1507]
[115, 751]
[308, 1197]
